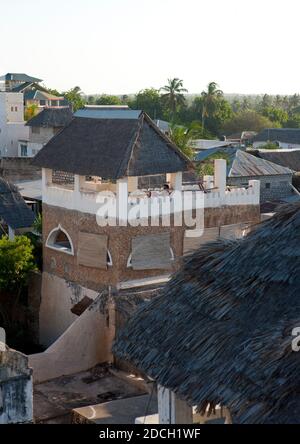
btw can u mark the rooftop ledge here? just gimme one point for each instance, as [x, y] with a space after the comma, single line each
[86, 196]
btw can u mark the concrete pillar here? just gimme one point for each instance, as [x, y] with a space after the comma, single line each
[220, 176]
[255, 185]
[78, 183]
[122, 201]
[171, 409]
[175, 180]
[11, 233]
[46, 177]
[208, 182]
[132, 184]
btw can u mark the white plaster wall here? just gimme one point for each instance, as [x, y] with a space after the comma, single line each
[58, 297]
[43, 137]
[12, 124]
[87, 202]
[32, 148]
[86, 343]
[281, 145]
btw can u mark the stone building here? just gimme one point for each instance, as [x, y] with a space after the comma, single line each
[275, 180]
[89, 253]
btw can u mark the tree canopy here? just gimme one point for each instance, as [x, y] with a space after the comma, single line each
[216, 113]
[16, 261]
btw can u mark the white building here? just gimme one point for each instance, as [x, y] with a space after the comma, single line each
[42, 128]
[12, 124]
[285, 138]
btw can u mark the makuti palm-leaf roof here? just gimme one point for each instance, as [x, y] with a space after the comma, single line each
[221, 330]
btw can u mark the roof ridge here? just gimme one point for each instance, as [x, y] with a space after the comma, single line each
[165, 138]
[131, 145]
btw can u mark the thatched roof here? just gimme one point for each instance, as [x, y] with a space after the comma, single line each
[13, 208]
[112, 148]
[51, 118]
[221, 330]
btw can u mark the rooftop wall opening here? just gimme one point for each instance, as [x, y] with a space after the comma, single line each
[58, 239]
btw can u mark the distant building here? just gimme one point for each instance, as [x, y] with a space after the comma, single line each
[12, 123]
[18, 91]
[244, 138]
[42, 128]
[206, 144]
[283, 137]
[275, 180]
[34, 93]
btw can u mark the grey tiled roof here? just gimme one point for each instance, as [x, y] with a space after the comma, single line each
[52, 117]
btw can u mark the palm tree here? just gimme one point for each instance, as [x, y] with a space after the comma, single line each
[181, 137]
[209, 98]
[173, 96]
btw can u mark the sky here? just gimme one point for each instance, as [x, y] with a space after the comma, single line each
[123, 46]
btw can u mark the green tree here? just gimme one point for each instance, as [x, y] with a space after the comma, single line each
[108, 100]
[182, 138]
[270, 146]
[16, 261]
[248, 121]
[149, 101]
[275, 114]
[210, 98]
[293, 121]
[75, 98]
[31, 111]
[173, 96]
[206, 168]
[219, 112]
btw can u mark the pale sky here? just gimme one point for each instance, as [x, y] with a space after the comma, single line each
[123, 46]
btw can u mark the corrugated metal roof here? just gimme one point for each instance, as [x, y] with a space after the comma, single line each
[246, 165]
[108, 113]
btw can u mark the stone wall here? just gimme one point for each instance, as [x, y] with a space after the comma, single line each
[17, 168]
[119, 243]
[279, 186]
[15, 388]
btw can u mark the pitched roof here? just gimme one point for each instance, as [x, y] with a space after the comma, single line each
[19, 77]
[244, 164]
[111, 148]
[221, 329]
[37, 94]
[22, 87]
[285, 158]
[51, 117]
[284, 135]
[13, 209]
[247, 165]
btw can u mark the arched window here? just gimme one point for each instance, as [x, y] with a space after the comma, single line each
[129, 262]
[60, 240]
